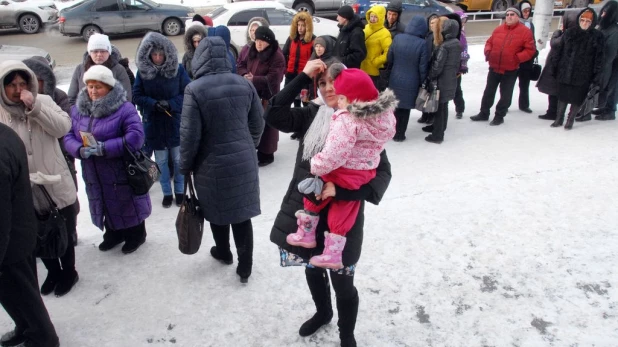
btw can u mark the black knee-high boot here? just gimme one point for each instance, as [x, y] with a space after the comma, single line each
[243, 238]
[317, 280]
[221, 249]
[560, 110]
[347, 307]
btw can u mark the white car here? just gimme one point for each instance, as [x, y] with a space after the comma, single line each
[24, 52]
[28, 15]
[236, 17]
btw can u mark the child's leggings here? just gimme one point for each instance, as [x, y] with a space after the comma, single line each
[342, 213]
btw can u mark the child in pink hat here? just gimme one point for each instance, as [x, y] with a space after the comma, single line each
[358, 132]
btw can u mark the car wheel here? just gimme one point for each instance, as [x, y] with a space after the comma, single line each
[579, 3]
[500, 5]
[172, 27]
[90, 30]
[29, 24]
[303, 6]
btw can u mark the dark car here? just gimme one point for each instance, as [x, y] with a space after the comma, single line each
[114, 17]
[410, 8]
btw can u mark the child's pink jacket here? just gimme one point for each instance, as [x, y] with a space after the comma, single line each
[357, 136]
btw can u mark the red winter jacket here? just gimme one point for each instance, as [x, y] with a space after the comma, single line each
[297, 53]
[508, 46]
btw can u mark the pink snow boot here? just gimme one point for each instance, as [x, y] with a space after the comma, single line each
[305, 234]
[333, 248]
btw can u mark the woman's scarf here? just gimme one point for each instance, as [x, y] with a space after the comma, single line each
[316, 135]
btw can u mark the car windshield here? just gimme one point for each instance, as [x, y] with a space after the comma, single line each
[216, 13]
[151, 3]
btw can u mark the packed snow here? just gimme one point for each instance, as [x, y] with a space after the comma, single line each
[500, 236]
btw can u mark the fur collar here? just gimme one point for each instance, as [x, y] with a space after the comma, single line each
[103, 107]
[147, 69]
[371, 109]
[264, 55]
[188, 40]
[306, 17]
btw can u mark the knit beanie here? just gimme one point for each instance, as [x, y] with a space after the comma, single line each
[513, 9]
[587, 15]
[525, 5]
[100, 73]
[265, 34]
[355, 85]
[319, 41]
[99, 42]
[346, 12]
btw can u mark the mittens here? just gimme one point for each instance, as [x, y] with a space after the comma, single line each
[98, 150]
[311, 185]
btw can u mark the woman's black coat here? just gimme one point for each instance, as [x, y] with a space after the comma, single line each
[279, 115]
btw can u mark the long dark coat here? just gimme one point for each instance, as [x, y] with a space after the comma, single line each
[153, 83]
[279, 115]
[111, 199]
[18, 228]
[408, 57]
[579, 62]
[222, 120]
[445, 62]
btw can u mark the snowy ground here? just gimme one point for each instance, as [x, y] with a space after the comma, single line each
[501, 236]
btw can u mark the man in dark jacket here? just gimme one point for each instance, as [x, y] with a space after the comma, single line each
[608, 24]
[350, 48]
[19, 289]
[393, 17]
[508, 46]
[526, 67]
[220, 128]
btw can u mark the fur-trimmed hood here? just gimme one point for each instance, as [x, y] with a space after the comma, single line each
[43, 71]
[370, 109]
[189, 32]
[104, 107]
[147, 69]
[306, 17]
[611, 15]
[261, 20]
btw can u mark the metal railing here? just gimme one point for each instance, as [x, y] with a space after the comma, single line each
[499, 16]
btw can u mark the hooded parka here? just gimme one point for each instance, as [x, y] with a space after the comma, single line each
[409, 58]
[109, 119]
[350, 47]
[222, 121]
[377, 41]
[298, 119]
[578, 62]
[40, 129]
[297, 50]
[397, 27]
[446, 60]
[113, 63]
[197, 29]
[153, 83]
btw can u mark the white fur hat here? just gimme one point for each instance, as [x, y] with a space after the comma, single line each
[99, 42]
[100, 73]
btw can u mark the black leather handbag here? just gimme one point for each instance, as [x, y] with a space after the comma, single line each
[190, 221]
[142, 172]
[52, 239]
[536, 70]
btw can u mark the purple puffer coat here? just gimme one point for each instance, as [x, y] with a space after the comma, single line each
[109, 194]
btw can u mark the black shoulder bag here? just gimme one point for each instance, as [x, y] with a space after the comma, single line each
[142, 172]
[52, 239]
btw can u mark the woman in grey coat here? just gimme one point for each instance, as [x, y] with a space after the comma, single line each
[220, 128]
[443, 74]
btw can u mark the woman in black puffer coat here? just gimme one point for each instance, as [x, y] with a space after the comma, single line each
[443, 73]
[428, 117]
[311, 122]
[579, 57]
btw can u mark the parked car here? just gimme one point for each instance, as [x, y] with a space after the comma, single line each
[115, 17]
[502, 5]
[23, 52]
[236, 17]
[27, 15]
[321, 7]
[410, 8]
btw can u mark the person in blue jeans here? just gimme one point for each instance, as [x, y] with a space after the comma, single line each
[159, 91]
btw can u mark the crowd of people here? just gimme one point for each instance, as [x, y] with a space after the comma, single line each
[216, 120]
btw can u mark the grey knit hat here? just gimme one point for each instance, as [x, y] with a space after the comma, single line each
[513, 9]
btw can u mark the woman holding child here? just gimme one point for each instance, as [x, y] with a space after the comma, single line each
[312, 123]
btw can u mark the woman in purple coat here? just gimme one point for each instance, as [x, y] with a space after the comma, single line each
[103, 111]
[264, 67]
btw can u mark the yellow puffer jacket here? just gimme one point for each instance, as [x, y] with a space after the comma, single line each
[377, 40]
